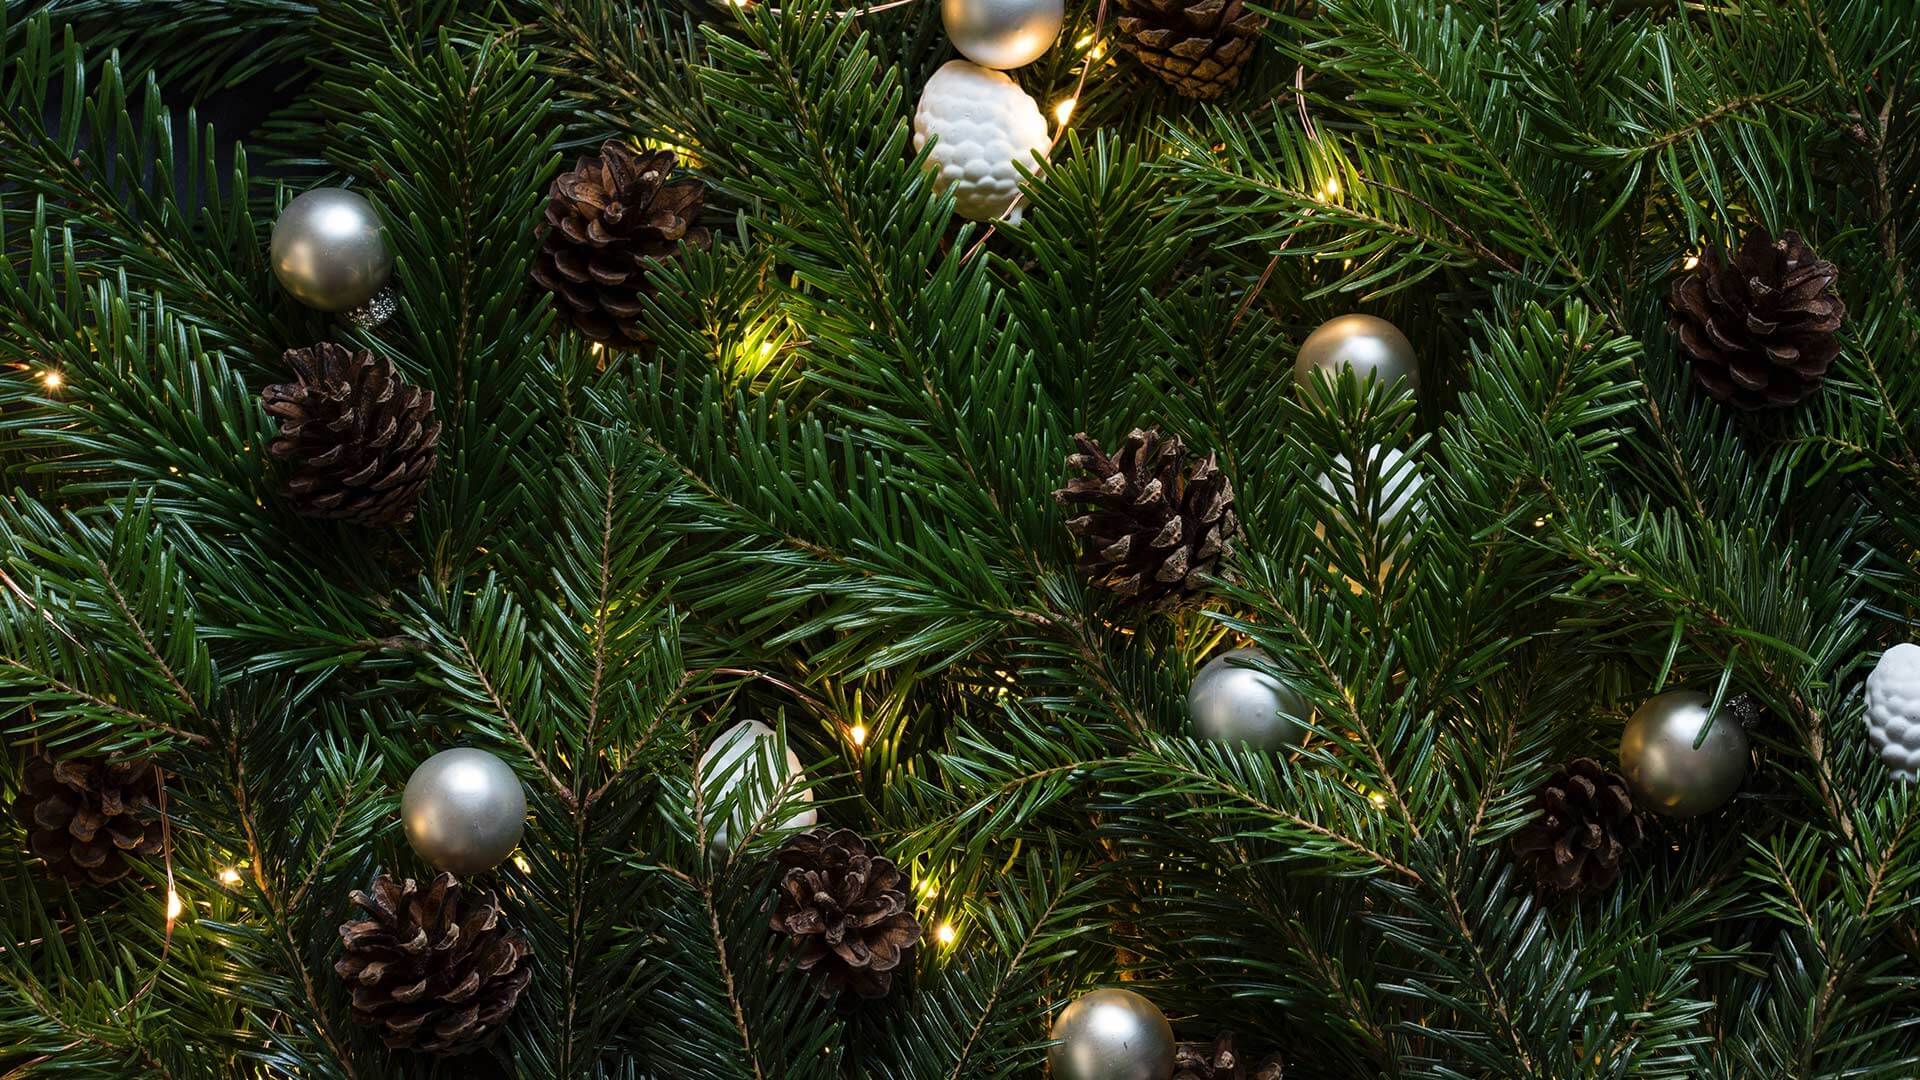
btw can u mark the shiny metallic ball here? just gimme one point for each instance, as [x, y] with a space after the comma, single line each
[1371, 347]
[1111, 1034]
[329, 250]
[464, 810]
[743, 754]
[1003, 33]
[1232, 702]
[1660, 763]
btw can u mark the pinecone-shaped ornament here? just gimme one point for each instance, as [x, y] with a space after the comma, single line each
[1218, 1060]
[1761, 329]
[1587, 822]
[86, 816]
[848, 909]
[436, 969]
[607, 220]
[1197, 46]
[1149, 528]
[361, 438]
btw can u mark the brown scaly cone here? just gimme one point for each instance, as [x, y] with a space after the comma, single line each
[435, 969]
[848, 909]
[1762, 328]
[607, 220]
[1586, 824]
[87, 816]
[1149, 529]
[1197, 46]
[1217, 1060]
[362, 439]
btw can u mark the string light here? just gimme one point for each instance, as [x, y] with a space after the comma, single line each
[1330, 192]
[52, 379]
[1692, 261]
[520, 863]
[946, 934]
[1064, 109]
[1378, 799]
[230, 876]
[174, 906]
[858, 734]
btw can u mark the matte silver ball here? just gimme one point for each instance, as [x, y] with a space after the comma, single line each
[464, 810]
[1660, 763]
[1111, 1034]
[1373, 348]
[329, 250]
[1003, 33]
[1232, 702]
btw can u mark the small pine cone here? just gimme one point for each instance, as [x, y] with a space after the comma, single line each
[1217, 1060]
[436, 970]
[607, 220]
[85, 816]
[1150, 529]
[1586, 824]
[1761, 329]
[361, 438]
[1197, 46]
[848, 909]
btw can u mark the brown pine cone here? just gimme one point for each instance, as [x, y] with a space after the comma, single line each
[1217, 1060]
[362, 439]
[1586, 824]
[1761, 329]
[607, 220]
[436, 970]
[1151, 530]
[848, 909]
[85, 816]
[1197, 46]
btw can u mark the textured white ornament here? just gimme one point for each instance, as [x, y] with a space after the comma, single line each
[1893, 710]
[984, 123]
[1402, 483]
[744, 754]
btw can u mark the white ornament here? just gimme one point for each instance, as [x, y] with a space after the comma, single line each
[983, 123]
[1893, 710]
[1399, 486]
[744, 754]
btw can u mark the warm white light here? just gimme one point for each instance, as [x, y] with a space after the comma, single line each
[946, 934]
[1064, 109]
[1378, 799]
[1692, 261]
[858, 734]
[53, 380]
[174, 906]
[520, 862]
[1332, 190]
[230, 876]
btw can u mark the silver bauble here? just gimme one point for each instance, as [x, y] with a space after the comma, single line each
[1111, 1034]
[1372, 347]
[328, 249]
[744, 754]
[1003, 33]
[464, 810]
[1232, 702]
[1659, 761]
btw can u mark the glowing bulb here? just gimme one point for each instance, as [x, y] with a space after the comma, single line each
[520, 863]
[53, 380]
[946, 934]
[1692, 261]
[858, 734]
[1378, 799]
[1064, 109]
[598, 348]
[1333, 187]
[1084, 40]
[174, 906]
[230, 876]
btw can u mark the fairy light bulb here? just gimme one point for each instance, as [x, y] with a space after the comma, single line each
[1378, 799]
[174, 906]
[1064, 109]
[1692, 262]
[858, 734]
[52, 379]
[946, 934]
[230, 876]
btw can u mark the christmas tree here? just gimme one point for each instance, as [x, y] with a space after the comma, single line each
[791, 538]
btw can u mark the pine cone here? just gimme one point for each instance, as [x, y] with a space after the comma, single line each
[1761, 330]
[362, 439]
[86, 815]
[1150, 530]
[1217, 1060]
[434, 970]
[848, 908]
[1197, 46]
[1587, 823]
[606, 221]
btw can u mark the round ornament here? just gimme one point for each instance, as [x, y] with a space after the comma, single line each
[329, 251]
[1003, 33]
[1233, 702]
[1111, 1034]
[1893, 709]
[982, 123]
[723, 768]
[1398, 490]
[464, 810]
[1372, 347]
[1666, 772]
